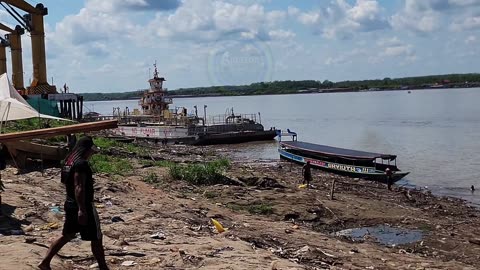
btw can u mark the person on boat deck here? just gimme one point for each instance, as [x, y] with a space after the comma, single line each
[80, 213]
[307, 174]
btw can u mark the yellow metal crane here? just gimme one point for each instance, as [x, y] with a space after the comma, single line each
[34, 23]
[14, 40]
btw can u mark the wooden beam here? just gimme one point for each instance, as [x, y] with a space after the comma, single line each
[5, 28]
[20, 4]
[52, 132]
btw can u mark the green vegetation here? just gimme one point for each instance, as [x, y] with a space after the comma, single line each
[260, 209]
[110, 165]
[106, 144]
[112, 96]
[31, 124]
[210, 194]
[291, 87]
[210, 173]
[254, 209]
[151, 178]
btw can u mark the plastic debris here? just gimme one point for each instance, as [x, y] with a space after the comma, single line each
[128, 263]
[50, 226]
[159, 235]
[117, 219]
[218, 226]
[56, 209]
[17, 232]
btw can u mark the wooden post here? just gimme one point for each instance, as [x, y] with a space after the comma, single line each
[61, 108]
[332, 190]
[70, 114]
[74, 110]
[81, 107]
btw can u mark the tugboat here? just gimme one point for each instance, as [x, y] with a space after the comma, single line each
[157, 121]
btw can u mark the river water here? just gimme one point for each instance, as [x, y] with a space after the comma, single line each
[435, 133]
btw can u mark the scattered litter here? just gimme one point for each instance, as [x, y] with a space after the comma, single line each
[29, 228]
[117, 219]
[218, 226]
[159, 235]
[17, 232]
[219, 250]
[109, 204]
[50, 226]
[304, 249]
[30, 240]
[474, 241]
[55, 209]
[93, 266]
[128, 263]
[302, 186]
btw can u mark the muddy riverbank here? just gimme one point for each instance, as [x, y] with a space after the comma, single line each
[162, 223]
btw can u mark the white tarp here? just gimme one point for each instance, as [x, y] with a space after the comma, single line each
[13, 106]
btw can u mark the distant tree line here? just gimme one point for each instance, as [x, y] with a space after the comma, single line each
[291, 87]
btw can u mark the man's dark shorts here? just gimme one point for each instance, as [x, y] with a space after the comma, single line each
[89, 232]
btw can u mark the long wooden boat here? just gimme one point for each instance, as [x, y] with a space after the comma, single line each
[21, 150]
[342, 161]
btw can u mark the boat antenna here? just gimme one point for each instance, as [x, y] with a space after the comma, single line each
[155, 73]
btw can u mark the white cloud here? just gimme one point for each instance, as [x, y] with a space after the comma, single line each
[281, 34]
[111, 6]
[469, 23]
[394, 41]
[470, 40]
[342, 20]
[394, 48]
[203, 20]
[293, 11]
[417, 22]
[429, 15]
[398, 50]
[344, 58]
[309, 18]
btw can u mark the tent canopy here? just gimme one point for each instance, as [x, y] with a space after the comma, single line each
[13, 106]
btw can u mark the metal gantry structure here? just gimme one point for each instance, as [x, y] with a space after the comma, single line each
[33, 22]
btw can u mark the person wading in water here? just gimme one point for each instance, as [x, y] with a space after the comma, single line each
[307, 174]
[80, 213]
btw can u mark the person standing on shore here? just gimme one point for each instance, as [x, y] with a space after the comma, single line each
[80, 213]
[389, 173]
[307, 174]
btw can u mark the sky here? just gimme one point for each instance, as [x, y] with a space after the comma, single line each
[112, 45]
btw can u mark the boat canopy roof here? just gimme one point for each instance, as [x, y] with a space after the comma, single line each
[335, 151]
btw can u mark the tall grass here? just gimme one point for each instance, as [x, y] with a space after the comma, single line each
[209, 173]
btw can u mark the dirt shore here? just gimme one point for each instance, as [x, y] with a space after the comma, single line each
[272, 223]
